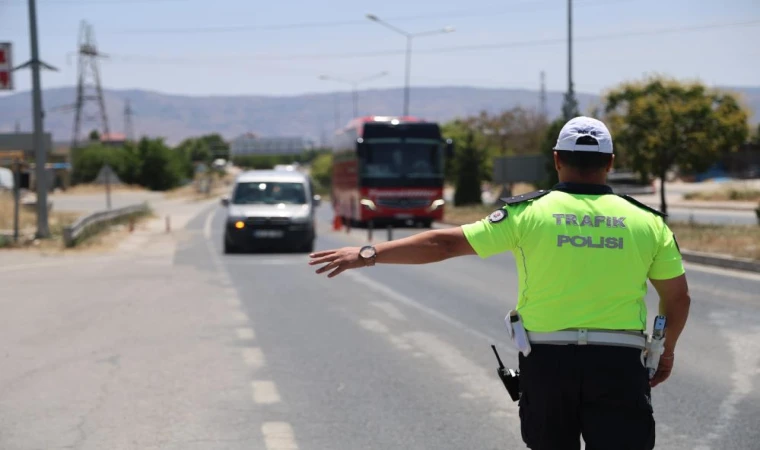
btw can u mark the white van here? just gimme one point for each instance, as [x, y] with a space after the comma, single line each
[270, 208]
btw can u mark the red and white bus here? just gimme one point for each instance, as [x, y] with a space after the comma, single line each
[389, 170]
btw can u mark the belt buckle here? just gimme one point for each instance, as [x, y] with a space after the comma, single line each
[583, 336]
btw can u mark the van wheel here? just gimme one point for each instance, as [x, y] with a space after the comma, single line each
[229, 248]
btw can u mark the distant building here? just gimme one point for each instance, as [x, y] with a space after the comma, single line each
[113, 139]
[251, 144]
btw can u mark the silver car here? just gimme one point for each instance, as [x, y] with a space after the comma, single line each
[270, 209]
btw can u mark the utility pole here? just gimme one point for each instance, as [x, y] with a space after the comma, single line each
[43, 230]
[354, 86]
[570, 105]
[409, 37]
[337, 111]
[542, 97]
[129, 129]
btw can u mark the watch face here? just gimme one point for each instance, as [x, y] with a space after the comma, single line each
[367, 252]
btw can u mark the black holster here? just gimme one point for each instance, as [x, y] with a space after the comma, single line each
[510, 378]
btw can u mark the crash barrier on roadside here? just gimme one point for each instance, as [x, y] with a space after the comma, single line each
[90, 224]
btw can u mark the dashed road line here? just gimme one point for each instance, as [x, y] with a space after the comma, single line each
[253, 357]
[265, 392]
[245, 334]
[389, 309]
[278, 436]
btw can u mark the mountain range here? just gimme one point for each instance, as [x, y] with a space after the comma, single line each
[312, 116]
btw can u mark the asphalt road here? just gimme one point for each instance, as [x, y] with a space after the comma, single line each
[174, 345]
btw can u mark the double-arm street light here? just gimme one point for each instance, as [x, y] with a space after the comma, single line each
[354, 84]
[409, 37]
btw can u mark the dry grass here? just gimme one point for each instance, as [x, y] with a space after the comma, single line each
[81, 189]
[735, 240]
[105, 240]
[729, 193]
[28, 218]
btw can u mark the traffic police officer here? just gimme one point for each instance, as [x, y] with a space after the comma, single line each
[583, 257]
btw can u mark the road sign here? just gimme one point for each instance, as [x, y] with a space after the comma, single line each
[6, 67]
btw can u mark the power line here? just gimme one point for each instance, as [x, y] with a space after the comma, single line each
[440, 50]
[89, 2]
[458, 14]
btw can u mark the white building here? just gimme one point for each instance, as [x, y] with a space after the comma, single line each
[250, 144]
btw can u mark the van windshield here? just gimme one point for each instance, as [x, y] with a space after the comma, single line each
[269, 193]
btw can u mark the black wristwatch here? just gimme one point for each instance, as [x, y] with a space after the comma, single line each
[368, 254]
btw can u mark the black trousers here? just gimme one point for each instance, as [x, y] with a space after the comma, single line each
[599, 392]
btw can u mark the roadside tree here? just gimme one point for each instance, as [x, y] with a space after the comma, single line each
[660, 122]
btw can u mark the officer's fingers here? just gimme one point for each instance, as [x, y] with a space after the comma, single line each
[321, 253]
[659, 376]
[327, 258]
[340, 269]
[327, 267]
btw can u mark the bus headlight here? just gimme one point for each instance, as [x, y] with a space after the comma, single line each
[368, 203]
[436, 204]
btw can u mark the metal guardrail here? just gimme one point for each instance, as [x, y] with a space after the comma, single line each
[85, 224]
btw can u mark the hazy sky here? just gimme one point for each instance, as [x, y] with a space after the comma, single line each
[280, 47]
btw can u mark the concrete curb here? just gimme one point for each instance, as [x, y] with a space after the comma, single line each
[720, 207]
[709, 259]
[727, 262]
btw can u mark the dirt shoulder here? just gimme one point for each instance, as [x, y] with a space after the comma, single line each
[733, 240]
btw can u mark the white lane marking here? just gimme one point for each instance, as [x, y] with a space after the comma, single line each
[264, 262]
[373, 325]
[253, 357]
[723, 293]
[234, 302]
[477, 382]
[389, 309]
[278, 436]
[212, 251]
[207, 224]
[746, 355]
[245, 334]
[720, 271]
[393, 295]
[240, 316]
[265, 392]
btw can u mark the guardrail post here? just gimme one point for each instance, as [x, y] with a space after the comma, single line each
[390, 232]
[168, 224]
[67, 237]
[370, 227]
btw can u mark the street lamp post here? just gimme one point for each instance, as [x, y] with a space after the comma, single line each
[354, 84]
[409, 37]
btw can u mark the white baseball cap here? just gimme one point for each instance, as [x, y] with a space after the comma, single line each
[584, 126]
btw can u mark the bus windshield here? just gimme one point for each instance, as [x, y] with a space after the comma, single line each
[407, 159]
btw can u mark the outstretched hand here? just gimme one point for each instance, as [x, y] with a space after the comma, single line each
[338, 260]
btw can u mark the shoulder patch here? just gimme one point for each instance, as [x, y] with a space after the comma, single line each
[525, 197]
[641, 205]
[498, 215]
